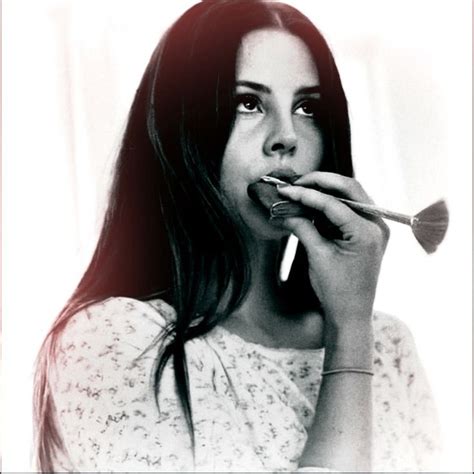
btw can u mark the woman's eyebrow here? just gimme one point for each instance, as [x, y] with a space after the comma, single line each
[263, 88]
[254, 85]
[308, 90]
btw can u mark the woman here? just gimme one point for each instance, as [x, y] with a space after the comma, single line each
[179, 349]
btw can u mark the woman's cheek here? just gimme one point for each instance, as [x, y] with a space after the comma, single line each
[311, 143]
[234, 183]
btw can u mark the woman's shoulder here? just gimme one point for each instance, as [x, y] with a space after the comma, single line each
[122, 322]
[118, 310]
[390, 325]
[391, 332]
[395, 348]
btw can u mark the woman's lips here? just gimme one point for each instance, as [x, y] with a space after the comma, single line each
[286, 174]
[266, 194]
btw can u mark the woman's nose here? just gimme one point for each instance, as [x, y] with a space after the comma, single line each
[281, 138]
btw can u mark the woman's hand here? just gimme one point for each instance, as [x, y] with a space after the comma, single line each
[343, 272]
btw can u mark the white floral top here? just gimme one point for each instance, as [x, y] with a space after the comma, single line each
[252, 405]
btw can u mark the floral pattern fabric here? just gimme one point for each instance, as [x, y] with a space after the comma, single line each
[252, 405]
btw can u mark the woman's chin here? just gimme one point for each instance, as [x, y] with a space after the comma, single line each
[264, 228]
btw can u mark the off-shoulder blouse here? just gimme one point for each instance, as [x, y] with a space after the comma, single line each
[252, 405]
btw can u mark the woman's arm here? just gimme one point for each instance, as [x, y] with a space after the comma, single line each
[340, 436]
[344, 274]
[103, 396]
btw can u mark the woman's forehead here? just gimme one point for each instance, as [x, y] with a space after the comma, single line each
[276, 57]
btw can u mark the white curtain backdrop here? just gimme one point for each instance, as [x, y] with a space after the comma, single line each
[70, 70]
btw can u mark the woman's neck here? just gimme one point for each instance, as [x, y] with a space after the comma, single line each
[264, 317]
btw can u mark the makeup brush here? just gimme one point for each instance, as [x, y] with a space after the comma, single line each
[428, 226]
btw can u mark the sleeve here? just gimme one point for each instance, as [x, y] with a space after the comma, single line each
[102, 390]
[424, 429]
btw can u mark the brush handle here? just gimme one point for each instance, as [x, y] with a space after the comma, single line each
[291, 209]
[378, 211]
[285, 208]
[429, 226]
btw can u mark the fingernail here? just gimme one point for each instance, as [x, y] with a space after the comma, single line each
[283, 186]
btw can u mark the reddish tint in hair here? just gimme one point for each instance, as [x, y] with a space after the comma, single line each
[168, 231]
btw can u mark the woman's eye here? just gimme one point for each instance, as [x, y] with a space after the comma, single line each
[248, 103]
[307, 108]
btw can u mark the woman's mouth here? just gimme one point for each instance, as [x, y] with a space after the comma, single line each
[264, 192]
[288, 175]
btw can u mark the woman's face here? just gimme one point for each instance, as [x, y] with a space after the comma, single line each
[277, 96]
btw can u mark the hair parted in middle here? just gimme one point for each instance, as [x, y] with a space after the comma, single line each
[192, 109]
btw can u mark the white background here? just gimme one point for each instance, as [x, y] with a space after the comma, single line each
[70, 70]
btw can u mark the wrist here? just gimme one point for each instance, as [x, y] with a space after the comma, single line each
[349, 347]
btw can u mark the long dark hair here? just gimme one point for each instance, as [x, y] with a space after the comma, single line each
[168, 231]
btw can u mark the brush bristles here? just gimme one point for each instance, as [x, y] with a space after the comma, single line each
[430, 225]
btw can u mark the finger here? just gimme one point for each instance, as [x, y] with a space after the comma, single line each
[334, 183]
[344, 186]
[337, 212]
[305, 231]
